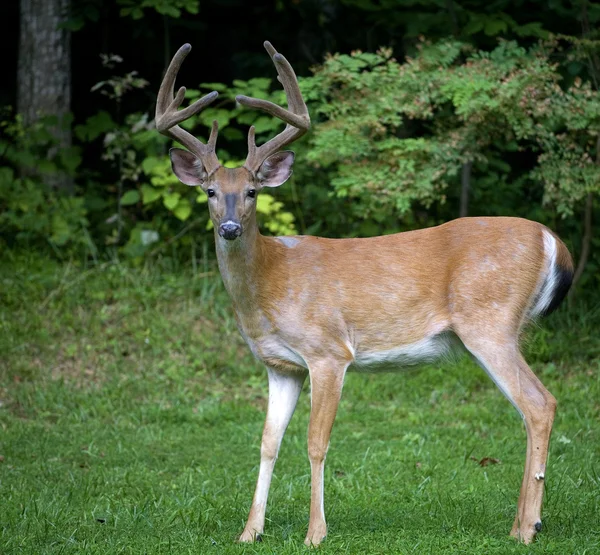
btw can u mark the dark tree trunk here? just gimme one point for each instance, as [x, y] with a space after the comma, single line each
[586, 240]
[465, 187]
[44, 72]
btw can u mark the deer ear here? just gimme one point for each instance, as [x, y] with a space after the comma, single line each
[187, 167]
[276, 169]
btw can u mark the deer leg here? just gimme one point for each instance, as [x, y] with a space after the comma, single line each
[326, 382]
[537, 406]
[284, 390]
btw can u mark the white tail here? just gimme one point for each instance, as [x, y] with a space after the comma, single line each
[309, 306]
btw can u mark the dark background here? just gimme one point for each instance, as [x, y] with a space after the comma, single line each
[227, 36]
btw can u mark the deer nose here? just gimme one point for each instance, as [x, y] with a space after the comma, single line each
[230, 230]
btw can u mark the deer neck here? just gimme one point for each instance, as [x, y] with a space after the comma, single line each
[239, 263]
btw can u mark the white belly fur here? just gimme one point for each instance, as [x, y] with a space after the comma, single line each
[426, 350]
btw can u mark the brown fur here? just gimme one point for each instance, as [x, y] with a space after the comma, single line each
[327, 300]
[319, 307]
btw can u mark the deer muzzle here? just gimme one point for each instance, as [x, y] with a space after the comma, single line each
[230, 230]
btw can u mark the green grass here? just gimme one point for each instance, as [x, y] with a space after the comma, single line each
[131, 414]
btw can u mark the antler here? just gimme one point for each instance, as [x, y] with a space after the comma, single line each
[297, 118]
[168, 115]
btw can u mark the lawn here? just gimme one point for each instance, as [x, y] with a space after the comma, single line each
[131, 414]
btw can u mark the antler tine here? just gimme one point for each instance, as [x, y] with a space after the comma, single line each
[287, 77]
[296, 117]
[251, 144]
[168, 115]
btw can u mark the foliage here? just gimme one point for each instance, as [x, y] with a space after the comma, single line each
[90, 11]
[147, 193]
[394, 134]
[472, 20]
[31, 213]
[172, 8]
[390, 138]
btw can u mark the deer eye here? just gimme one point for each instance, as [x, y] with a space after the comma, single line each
[210, 193]
[252, 193]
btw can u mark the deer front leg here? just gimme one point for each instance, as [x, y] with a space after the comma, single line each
[326, 384]
[284, 390]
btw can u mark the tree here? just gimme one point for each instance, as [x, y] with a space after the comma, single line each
[395, 136]
[44, 75]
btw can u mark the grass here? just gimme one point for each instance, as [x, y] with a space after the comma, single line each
[131, 414]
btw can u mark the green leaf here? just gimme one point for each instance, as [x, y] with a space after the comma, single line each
[73, 24]
[149, 163]
[494, 27]
[263, 124]
[170, 11]
[70, 158]
[171, 200]
[183, 210]
[46, 166]
[265, 204]
[259, 84]
[233, 134]
[130, 197]
[222, 116]
[149, 194]
[533, 29]
[61, 231]
[7, 175]
[246, 118]
[474, 26]
[95, 125]
[219, 87]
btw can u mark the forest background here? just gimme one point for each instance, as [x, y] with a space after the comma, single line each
[131, 409]
[422, 111]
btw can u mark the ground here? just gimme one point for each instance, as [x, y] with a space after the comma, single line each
[131, 414]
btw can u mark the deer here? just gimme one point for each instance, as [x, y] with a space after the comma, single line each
[321, 307]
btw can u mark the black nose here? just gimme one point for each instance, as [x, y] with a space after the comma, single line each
[230, 230]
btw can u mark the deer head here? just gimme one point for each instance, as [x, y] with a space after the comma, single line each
[231, 191]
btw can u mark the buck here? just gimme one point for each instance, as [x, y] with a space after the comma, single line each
[316, 307]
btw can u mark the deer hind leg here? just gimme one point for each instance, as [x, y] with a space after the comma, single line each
[505, 365]
[284, 390]
[326, 382]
